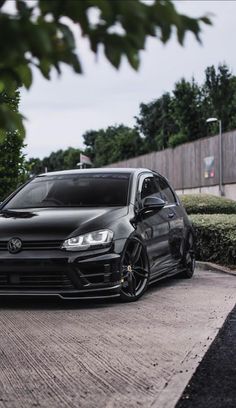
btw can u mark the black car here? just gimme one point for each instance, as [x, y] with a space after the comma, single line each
[97, 233]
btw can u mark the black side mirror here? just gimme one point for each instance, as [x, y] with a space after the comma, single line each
[152, 203]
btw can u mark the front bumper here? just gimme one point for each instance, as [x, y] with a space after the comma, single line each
[88, 275]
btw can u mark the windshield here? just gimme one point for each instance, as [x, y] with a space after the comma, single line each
[73, 190]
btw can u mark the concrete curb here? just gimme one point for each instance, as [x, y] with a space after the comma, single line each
[215, 268]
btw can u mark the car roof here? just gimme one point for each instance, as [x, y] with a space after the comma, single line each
[114, 170]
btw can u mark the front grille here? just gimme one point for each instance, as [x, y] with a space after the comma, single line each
[34, 245]
[31, 280]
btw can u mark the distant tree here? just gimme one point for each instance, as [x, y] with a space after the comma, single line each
[59, 160]
[55, 161]
[219, 93]
[113, 144]
[156, 123]
[71, 158]
[34, 166]
[12, 161]
[89, 142]
[181, 116]
[187, 111]
[172, 119]
[39, 35]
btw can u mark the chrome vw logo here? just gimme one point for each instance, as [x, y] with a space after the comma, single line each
[14, 245]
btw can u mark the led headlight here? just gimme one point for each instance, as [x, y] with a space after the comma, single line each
[98, 239]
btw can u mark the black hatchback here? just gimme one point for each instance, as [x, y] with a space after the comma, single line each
[97, 233]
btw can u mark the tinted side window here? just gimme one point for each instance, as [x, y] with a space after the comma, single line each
[165, 192]
[149, 187]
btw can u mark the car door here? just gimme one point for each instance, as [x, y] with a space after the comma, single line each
[153, 226]
[176, 222]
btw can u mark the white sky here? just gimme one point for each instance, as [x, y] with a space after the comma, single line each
[59, 111]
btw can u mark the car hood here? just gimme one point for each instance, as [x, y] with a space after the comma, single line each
[55, 223]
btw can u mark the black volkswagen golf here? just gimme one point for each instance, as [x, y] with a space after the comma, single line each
[97, 233]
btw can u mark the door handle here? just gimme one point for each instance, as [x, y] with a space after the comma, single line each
[171, 215]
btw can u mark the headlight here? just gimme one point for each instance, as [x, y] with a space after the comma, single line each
[98, 239]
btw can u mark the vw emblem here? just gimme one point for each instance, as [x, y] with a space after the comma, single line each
[14, 245]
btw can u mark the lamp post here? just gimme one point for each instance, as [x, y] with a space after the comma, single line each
[210, 120]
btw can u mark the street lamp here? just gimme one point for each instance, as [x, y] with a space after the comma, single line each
[210, 120]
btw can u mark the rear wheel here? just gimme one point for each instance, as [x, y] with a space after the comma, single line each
[188, 258]
[134, 270]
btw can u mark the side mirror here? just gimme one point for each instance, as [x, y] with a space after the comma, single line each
[152, 203]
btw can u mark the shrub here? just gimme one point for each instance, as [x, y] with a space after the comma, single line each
[214, 222]
[215, 238]
[207, 204]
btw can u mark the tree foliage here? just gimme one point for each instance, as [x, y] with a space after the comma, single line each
[103, 146]
[156, 122]
[180, 116]
[12, 161]
[219, 95]
[172, 119]
[114, 144]
[59, 160]
[38, 35]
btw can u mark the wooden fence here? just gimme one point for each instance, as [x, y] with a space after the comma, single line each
[185, 166]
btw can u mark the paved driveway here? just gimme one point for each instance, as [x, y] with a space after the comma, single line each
[100, 355]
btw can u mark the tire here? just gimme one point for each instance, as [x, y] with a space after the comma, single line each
[188, 261]
[134, 271]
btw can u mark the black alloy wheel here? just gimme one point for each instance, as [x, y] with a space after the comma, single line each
[134, 271]
[188, 257]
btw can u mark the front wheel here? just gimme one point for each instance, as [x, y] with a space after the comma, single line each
[134, 271]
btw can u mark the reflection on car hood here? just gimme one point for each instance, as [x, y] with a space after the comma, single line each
[55, 223]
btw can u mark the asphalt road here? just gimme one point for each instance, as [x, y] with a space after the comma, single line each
[55, 354]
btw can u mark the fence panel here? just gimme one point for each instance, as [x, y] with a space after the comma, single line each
[184, 166]
[229, 157]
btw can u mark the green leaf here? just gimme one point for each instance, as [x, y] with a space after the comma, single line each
[69, 36]
[45, 67]
[113, 55]
[10, 82]
[25, 75]
[2, 86]
[11, 121]
[41, 38]
[206, 20]
[133, 57]
[76, 63]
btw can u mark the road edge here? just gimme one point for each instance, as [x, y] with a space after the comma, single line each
[214, 267]
[213, 377]
[173, 390]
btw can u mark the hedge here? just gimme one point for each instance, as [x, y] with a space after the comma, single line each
[214, 222]
[215, 238]
[207, 204]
